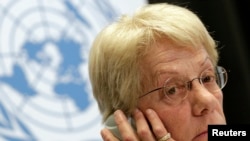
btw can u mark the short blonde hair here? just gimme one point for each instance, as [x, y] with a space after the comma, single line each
[114, 63]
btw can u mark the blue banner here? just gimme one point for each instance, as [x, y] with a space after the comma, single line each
[45, 92]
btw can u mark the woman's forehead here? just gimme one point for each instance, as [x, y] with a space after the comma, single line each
[176, 62]
[168, 54]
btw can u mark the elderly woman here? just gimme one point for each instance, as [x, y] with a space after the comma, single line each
[158, 67]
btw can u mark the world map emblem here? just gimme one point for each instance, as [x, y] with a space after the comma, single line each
[44, 85]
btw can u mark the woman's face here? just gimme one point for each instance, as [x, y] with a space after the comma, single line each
[188, 119]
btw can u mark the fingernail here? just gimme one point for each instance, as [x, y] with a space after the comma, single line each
[136, 112]
[149, 111]
[119, 115]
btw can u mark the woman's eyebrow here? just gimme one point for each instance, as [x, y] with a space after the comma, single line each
[205, 60]
[165, 72]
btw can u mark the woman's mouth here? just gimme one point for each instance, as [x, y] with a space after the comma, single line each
[202, 136]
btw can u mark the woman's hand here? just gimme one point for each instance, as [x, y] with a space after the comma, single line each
[126, 130]
[153, 132]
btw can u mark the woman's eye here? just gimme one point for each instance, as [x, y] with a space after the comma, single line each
[207, 79]
[171, 91]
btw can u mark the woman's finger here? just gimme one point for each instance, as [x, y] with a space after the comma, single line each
[125, 128]
[107, 135]
[157, 126]
[143, 129]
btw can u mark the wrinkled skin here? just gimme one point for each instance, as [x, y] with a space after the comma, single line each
[187, 120]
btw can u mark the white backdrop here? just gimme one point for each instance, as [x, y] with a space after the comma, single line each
[45, 94]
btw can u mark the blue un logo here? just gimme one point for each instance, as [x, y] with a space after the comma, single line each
[45, 92]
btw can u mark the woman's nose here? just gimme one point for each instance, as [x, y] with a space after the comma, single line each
[203, 101]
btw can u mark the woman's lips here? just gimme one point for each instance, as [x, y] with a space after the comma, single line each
[201, 135]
